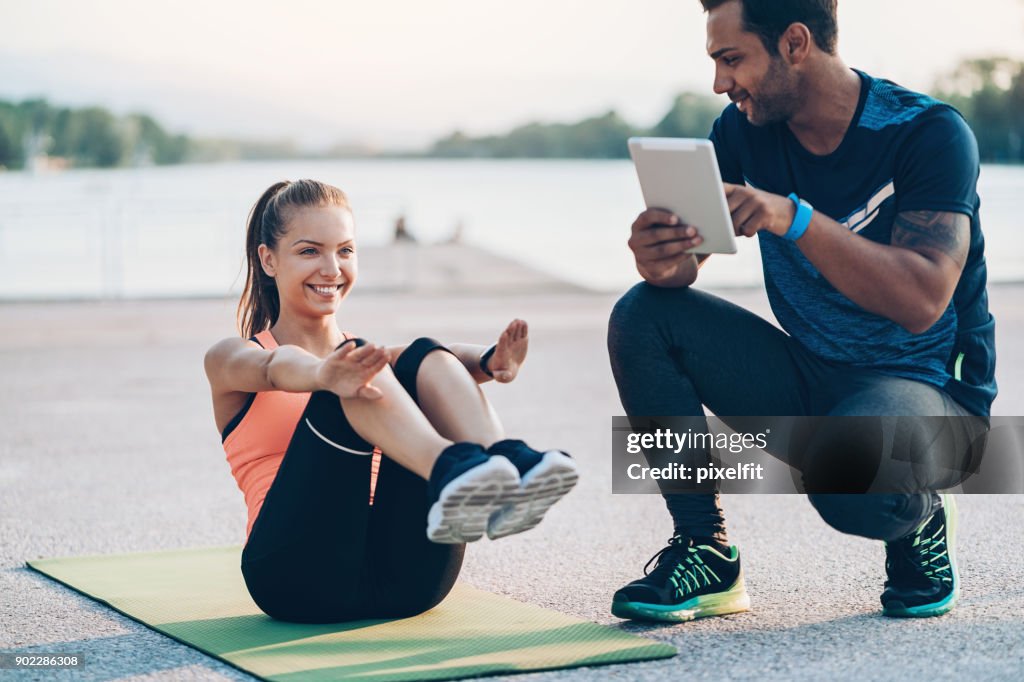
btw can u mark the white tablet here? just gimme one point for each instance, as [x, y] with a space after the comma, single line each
[681, 175]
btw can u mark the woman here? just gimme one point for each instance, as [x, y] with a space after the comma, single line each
[344, 449]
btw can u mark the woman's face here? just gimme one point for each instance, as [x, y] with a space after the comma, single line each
[314, 262]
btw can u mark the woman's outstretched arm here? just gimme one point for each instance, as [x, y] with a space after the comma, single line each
[238, 365]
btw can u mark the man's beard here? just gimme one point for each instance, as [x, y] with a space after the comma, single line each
[778, 98]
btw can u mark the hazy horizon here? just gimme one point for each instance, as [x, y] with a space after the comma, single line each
[400, 74]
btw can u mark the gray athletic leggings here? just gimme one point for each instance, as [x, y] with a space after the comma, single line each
[674, 350]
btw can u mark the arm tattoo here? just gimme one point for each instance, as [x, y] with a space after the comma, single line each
[933, 232]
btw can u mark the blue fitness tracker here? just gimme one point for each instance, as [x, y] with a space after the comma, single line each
[804, 213]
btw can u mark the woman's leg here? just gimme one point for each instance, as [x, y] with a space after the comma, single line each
[305, 560]
[447, 394]
[397, 426]
[305, 557]
[397, 541]
[409, 573]
[464, 485]
[451, 399]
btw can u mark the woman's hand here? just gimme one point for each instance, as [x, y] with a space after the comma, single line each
[510, 353]
[347, 371]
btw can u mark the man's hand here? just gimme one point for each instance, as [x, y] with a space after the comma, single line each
[347, 371]
[754, 210]
[659, 242]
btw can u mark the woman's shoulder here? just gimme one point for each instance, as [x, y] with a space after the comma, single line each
[233, 344]
[227, 350]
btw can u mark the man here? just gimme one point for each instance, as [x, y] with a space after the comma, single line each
[863, 197]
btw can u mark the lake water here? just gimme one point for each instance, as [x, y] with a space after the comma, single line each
[180, 230]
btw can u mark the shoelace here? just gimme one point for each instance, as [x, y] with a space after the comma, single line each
[927, 555]
[932, 555]
[676, 542]
[689, 573]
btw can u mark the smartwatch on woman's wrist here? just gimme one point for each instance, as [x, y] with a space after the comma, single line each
[485, 357]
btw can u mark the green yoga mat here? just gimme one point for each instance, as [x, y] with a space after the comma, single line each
[197, 596]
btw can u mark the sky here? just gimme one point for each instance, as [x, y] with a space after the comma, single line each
[397, 73]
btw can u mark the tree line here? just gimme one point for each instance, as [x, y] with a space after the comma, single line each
[601, 137]
[85, 137]
[989, 92]
[93, 137]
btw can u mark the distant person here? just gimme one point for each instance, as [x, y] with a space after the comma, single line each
[863, 197]
[457, 233]
[402, 233]
[364, 468]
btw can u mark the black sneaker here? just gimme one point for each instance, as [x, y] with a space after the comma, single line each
[688, 582]
[546, 478]
[466, 487]
[921, 568]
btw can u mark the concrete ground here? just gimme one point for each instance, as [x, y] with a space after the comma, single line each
[109, 446]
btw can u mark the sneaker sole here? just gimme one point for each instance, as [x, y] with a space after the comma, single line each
[895, 609]
[733, 600]
[466, 504]
[546, 483]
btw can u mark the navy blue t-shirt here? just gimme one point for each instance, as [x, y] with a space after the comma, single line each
[904, 151]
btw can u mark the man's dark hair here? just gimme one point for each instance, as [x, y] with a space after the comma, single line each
[769, 19]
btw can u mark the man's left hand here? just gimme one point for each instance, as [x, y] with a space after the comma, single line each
[754, 210]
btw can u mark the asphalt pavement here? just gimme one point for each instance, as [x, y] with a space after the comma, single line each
[109, 446]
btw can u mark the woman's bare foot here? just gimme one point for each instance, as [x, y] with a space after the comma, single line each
[510, 353]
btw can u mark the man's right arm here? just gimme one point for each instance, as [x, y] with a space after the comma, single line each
[659, 242]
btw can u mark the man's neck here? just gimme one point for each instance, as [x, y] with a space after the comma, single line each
[830, 98]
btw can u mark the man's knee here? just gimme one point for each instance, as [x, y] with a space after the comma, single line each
[631, 308]
[839, 454]
[881, 517]
[636, 313]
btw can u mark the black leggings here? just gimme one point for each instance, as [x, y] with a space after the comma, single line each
[319, 552]
[674, 351]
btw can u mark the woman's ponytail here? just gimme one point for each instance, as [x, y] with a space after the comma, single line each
[260, 304]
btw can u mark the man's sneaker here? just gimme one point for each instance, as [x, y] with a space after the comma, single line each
[921, 568]
[546, 478]
[465, 488]
[687, 583]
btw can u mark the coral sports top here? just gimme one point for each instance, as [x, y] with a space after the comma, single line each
[256, 439]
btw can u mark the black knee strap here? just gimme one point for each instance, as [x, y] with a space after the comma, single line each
[407, 366]
[359, 342]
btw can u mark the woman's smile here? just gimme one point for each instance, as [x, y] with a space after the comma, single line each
[326, 291]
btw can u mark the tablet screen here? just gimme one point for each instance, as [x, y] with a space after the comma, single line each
[681, 175]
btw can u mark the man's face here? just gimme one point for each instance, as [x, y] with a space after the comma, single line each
[764, 87]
